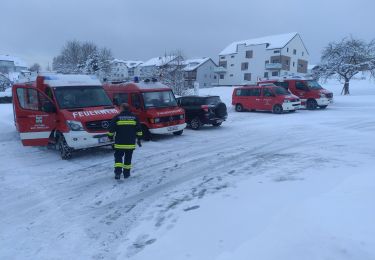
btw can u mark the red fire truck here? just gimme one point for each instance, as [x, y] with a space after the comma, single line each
[153, 102]
[310, 92]
[69, 111]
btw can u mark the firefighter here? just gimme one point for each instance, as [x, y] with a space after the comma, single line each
[126, 131]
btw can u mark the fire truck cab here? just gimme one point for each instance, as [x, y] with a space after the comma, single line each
[311, 93]
[70, 111]
[153, 103]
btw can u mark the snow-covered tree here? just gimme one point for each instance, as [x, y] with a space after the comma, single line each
[345, 59]
[171, 72]
[87, 58]
[35, 67]
[4, 82]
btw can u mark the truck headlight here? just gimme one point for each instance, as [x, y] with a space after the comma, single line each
[322, 95]
[154, 120]
[287, 101]
[74, 125]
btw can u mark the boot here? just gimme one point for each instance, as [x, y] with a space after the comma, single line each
[117, 175]
[126, 174]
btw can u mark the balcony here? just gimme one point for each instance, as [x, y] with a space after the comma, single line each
[274, 66]
[220, 70]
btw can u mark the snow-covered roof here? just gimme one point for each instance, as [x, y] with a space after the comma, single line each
[17, 61]
[273, 41]
[192, 64]
[128, 63]
[159, 61]
[64, 80]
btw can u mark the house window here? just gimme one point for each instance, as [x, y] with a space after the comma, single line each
[287, 49]
[222, 57]
[247, 76]
[244, 65]
[249, 54]
[266, 74]
[231, 75]
[267, 61]
[303, 53]
[232, 65]
[294, 51]
[275, 73]
[232, 56]
[294, 64]
[287, 62]
[223, 63]
[221, 76]
[277, 51]
[215, 77]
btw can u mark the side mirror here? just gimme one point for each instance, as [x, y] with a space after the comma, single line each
[48, 107]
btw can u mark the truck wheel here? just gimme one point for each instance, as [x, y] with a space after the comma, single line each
[64, 149]
[216, 124]
[277, 109]
[311, 104]
[239, 108]
[178, 132]
[146, 133]
[322, 107]
[195, 123]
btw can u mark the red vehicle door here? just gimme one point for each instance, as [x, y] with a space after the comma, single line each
[35, 115]
[268, 99]
[136, 105]
[256, 98]
[301, 90]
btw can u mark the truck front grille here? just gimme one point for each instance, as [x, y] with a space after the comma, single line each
[100, 125]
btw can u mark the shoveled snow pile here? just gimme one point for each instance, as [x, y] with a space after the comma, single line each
[261, 186]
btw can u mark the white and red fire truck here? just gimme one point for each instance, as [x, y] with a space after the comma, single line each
[71, 112]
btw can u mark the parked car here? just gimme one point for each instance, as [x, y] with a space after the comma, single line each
[265, 98]
[310, 92]
[201, 110]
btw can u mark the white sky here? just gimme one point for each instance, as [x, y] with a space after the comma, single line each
[36, 30]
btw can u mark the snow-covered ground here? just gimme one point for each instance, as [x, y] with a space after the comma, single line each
[262, 186]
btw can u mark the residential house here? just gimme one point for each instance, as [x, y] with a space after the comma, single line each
[124, 70]
[200, 70]
[245, 62]
[10, 64]
[153, 67]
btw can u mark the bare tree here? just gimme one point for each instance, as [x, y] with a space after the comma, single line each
[4, 82]
[35, 67]
[171, 72]
[345, 59]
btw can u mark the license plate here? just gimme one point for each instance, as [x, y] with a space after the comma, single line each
[103, 139]
[172, 128]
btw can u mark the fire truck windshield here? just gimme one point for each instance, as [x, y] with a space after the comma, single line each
[313, 84]
[81, 96]
[159, 99]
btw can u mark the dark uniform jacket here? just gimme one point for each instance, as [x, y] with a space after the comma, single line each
[125, 128]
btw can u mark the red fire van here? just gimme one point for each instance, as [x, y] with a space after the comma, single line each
[153, 102]
[265, 98]
[71, 111]
[311, 93]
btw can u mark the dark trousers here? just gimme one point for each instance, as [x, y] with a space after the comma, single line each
[123, 160]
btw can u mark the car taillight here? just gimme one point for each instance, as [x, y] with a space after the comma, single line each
[205, 108]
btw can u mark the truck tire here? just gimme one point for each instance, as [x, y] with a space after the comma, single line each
[178, 132]
[277, 109]
[195, 123]
[311, 104]
[146, 135]
[64, 149]
[239, 108]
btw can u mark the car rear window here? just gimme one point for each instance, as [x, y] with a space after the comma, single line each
[211, 101]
